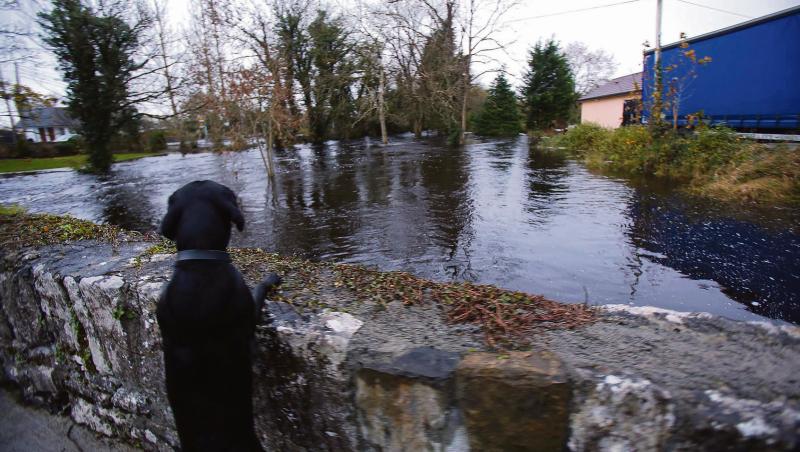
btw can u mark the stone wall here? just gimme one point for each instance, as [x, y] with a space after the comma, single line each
[78, 333]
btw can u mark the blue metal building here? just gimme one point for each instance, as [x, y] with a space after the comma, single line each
[751, 83]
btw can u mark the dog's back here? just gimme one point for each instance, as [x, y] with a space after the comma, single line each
[206, 299]
[206, 317]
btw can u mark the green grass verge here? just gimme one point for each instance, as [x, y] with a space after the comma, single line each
[72, 161]
[712, 161]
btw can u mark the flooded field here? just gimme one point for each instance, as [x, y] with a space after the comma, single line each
[496, 212]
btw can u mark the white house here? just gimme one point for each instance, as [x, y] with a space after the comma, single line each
[48, 125]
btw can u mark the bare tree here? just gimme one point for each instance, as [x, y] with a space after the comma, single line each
[261, 88]
[373, 51]
[405, 28]
[165, 40]
[591, 68]
[17, 30]
[208, 44]
[437, 77]
[481, 20]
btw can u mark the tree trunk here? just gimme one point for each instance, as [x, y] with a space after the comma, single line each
[259, 134]
[100, 158]
[461, 138]
[270, 141]
[382, 106]
[464, 101]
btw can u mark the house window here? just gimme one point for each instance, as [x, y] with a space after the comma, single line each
[52, 133]
[62, 131]
[42, 136]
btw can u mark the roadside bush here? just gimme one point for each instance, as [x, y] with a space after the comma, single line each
[77, 143]
[23, 149]
[712, 161]
[710, 148]
[454, 136]
[156, 141]
[65, 148]
[581, 138]
[626, 148]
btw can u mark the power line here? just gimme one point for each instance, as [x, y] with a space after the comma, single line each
[572, 11]
[714, 9]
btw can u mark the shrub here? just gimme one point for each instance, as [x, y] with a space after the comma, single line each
[582, 138]
[66, 148]
[23, 149]
[156, 141]
[710, 148]
[627, 148]
[77, 142]
[454, 137]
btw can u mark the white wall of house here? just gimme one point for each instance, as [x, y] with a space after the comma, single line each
[49, 134]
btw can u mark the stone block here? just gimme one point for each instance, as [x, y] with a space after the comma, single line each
[518, 401]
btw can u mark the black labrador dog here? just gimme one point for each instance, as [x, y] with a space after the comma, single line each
[207, 317]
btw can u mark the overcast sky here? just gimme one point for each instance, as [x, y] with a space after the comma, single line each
[622, 29]
[619, 29]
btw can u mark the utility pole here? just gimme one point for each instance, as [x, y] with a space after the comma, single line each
[8, 107]
[658, 87]
[659, 5]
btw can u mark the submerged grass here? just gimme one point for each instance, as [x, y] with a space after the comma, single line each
[72, 161]
[712, 161]
[506, 318]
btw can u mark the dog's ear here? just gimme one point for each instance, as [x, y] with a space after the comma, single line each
[236, 216]
[169, 225]
[228, 204]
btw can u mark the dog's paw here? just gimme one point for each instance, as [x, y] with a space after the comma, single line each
[267, 284]
[272, 280]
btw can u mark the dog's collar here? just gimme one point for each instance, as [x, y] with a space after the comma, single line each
[203, 255]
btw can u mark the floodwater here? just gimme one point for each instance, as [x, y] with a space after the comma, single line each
[496, 212]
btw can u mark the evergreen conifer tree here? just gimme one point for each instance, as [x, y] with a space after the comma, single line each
[500, 115]
[548, 91]
[96, 55]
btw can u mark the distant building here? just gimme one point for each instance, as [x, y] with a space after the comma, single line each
[614, 102]
[48, 125]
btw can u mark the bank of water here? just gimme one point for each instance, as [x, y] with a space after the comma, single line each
[496, 212]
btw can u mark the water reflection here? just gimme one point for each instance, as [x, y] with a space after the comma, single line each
[448, 207]
[547, 173]
[123, 204]
[495, 212]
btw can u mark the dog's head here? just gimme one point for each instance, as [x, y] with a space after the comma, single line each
[199, 216]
